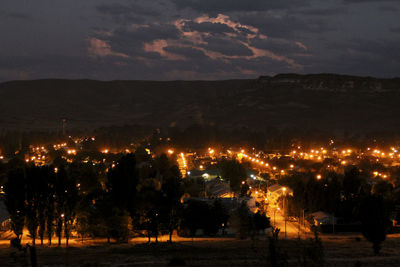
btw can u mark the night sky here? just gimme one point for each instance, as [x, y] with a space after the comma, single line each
[197, 39]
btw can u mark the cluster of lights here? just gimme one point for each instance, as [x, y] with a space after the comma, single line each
[183, 160]
[346, 152]
[58, 146]
[38, 148]
[252, 159]
[262, 163]
[182, 164]
[380, 154]
[71, 152]
[378, 174]
[315, 154]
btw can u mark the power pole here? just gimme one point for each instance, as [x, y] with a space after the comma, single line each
[64, 126]
[285, 214]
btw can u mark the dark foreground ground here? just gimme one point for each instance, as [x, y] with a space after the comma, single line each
[344, 250]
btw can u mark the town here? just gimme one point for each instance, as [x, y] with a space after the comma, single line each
[77, 192]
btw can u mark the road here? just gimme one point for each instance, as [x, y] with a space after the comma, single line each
[292, 228]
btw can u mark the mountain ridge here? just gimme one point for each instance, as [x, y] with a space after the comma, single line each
[322, 101]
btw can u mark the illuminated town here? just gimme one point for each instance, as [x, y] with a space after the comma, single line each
[281, 189]
[200, 133]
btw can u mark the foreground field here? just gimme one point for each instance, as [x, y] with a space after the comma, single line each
[343, 250]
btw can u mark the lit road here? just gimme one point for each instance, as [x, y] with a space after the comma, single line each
[292, 228]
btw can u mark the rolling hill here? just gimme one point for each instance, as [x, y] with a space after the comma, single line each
[319, 101]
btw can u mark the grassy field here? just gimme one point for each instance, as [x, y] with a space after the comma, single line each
[339, 250]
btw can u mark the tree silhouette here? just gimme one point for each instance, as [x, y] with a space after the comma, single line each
[33, 191]
[234, 172]
[14, 199]
[172, 191]
[375, 221]
[122, 182]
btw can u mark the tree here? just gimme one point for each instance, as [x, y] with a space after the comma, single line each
[117, 224]
[234, 172]
[14, 200]
[220, 215]
[375, 221]
[194, 186]
[383, 189]
[122, 182]
[243, 221]
[351, 182]
[60, 200]
[33, 191]
[195, 216]
[71, 201]
[244, 189]
[172, 191]
[149, 205]
[260, 222]
[45, 183]
[50, 205]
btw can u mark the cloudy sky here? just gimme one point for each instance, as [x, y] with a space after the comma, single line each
[197, 39]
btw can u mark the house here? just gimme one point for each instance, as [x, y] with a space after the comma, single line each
[219, 189]
[323, 218]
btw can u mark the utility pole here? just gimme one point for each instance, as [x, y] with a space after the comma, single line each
[284, 211]
[298, 226]
[64, 125]
[304, 224]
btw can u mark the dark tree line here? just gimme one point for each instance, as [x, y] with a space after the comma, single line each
[139, 196]
[354, 197]
[42, 200]
[136, 196]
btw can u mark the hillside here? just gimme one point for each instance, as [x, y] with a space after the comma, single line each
[321, 101]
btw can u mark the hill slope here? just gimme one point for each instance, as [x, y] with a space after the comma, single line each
[323, 101]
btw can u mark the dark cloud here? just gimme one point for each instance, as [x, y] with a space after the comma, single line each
[187, 52]
[388, 8]
[117, 9]
[227, 47]
[369, 1]
[381, 50]
[323, 11]
[215, 6]
[285, 26]
[197, 39]
[280, 46]
[16, 15]
[207, 27]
